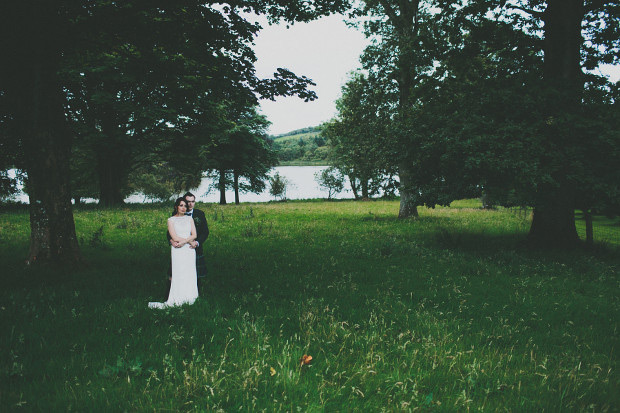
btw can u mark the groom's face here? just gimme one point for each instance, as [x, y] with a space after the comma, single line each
[191, 201]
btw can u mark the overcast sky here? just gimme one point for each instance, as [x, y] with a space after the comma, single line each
[326, 51]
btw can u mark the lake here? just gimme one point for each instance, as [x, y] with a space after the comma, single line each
[301, 185]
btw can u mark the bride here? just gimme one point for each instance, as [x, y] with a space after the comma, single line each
[183, 289]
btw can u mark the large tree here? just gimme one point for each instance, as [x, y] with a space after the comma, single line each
[42, 39]
[361, 147]
[35, 38]
[501, 99]
[240, 155]
[401, 53]
[141, 81]
[512, 110]
[254, 156]
[577, 35]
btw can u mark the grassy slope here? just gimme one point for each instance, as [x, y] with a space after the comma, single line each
[445, 312]
[306, 136]
[302, 163]
[295, 137]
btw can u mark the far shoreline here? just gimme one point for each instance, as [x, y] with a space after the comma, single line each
[303, 163]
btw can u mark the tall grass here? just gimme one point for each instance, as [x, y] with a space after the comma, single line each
[446, 312]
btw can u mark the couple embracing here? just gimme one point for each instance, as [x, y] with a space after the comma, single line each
[187, 232]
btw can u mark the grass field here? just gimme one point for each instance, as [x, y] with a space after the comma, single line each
[447, 312]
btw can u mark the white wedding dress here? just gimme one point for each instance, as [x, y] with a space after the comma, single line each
[184, 288]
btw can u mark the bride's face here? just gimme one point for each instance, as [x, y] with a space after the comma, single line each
[182, 208]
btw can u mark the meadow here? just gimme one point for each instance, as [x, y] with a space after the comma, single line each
[448, 312]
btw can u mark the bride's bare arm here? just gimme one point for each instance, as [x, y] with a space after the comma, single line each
[192, 236]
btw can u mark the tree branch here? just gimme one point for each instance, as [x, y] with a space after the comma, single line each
[535, 13]
[597, 4]
[389, 10]
[415, 17]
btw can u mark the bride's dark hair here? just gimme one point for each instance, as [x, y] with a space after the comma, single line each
[177, 203]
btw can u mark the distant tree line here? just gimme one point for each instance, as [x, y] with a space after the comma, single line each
[309, 129]
[302, 146]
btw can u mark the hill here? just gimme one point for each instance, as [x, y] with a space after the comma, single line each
[303, 132]
[304, 146]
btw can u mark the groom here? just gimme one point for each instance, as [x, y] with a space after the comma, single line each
[202, 232]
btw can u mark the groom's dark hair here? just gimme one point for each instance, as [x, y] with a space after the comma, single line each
[189, 194]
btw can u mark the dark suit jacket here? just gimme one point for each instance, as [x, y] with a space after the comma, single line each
[202, 229]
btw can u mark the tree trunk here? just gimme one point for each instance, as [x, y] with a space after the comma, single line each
[112, 159]
[47, 151]
[408, 207]
[77, 200]
[562, 47]
[35, 99]
[236, 185]
[486, 201]
[52, 229]
[553, 223]
[364, 183]
[408, 36]
[111, 179]
[353, 182]
[587, 215]
[222, 187]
